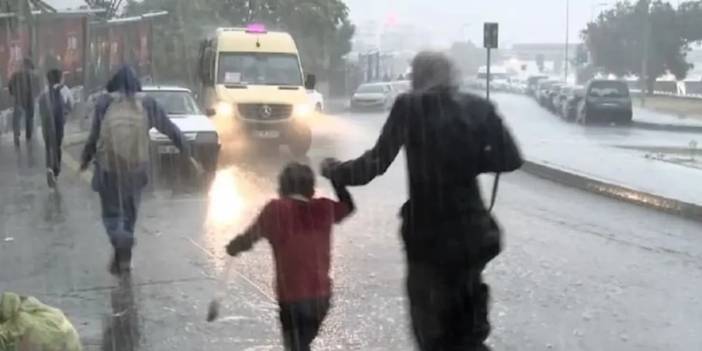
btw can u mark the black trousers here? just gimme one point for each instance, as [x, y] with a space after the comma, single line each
[449, 308]
[52, 145]
[300, 322]
[26, 110]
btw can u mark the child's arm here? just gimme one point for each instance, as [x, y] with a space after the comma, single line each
[246, 240]
[346, 205]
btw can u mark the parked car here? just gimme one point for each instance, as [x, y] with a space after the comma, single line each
[560, 99]
[373, 96]
[543, 91]
[554, 97]
[517, 86]
[532, 84]
[572, 98]
[316, 99]
[500, 83]
[558, 96]
[401, 86]
[198, 129]
[606, 101]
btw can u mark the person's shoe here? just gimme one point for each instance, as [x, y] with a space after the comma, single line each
[113, 267]
[50, 178]
[125, 261]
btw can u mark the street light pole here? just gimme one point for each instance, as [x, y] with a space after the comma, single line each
[567, 39]
[644, 59]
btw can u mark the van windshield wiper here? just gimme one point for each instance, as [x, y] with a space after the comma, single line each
[235, 86]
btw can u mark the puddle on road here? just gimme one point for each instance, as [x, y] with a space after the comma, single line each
[121, 328]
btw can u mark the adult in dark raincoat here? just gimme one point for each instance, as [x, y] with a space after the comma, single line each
[52, 111]
[23, 86]
[120, 194]
[449, 235]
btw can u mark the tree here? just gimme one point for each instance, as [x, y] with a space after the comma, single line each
[321, 28]
[177, 36]
[622, 37]
[690, 20]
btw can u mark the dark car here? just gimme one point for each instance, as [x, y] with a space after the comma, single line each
[571, 100]
[554, 97]
[560, 99]
[606, 101]
[532, 84]
[543, 90]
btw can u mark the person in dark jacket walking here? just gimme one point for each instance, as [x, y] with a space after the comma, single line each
[52, 111]
[22, 87]
[120, 189]
[449, 235]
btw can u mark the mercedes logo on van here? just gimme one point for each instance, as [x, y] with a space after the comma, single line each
[266, 111]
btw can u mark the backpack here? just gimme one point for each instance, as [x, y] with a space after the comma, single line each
[123, 144]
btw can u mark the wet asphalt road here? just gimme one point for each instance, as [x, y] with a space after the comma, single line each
[580, 272]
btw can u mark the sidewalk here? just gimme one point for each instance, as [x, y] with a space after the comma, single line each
[625, 174]
[50, 243]
[648, 118]
[595, 158]
[53, 247]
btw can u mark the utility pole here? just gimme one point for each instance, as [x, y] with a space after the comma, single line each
[567, 39]
[644, 56]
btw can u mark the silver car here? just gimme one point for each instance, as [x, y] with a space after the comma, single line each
[373, 96]
[198, 129]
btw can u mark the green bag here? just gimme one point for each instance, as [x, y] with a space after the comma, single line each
[27, 324]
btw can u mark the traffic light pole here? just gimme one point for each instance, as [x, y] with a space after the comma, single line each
[487, 77]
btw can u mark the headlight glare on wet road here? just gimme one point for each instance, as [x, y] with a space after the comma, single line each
[224, 109]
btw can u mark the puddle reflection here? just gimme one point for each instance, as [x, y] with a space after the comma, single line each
[53, 207]
[121, 328]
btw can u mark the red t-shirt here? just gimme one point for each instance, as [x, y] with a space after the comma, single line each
[300, 235]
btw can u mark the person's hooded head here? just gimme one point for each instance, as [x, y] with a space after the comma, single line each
[124, 81]
[433, 70]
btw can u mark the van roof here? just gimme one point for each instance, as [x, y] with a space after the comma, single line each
[239, 40]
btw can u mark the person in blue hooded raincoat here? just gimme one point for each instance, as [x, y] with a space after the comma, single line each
[120, 194]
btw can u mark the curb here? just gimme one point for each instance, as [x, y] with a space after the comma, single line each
[666, 127]
[618, 192]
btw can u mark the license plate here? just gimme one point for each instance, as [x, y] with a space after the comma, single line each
[267, 134]
[167, 150]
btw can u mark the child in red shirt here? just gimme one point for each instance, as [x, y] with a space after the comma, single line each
[298, 227]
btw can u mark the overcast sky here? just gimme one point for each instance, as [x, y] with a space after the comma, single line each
[521, 21]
